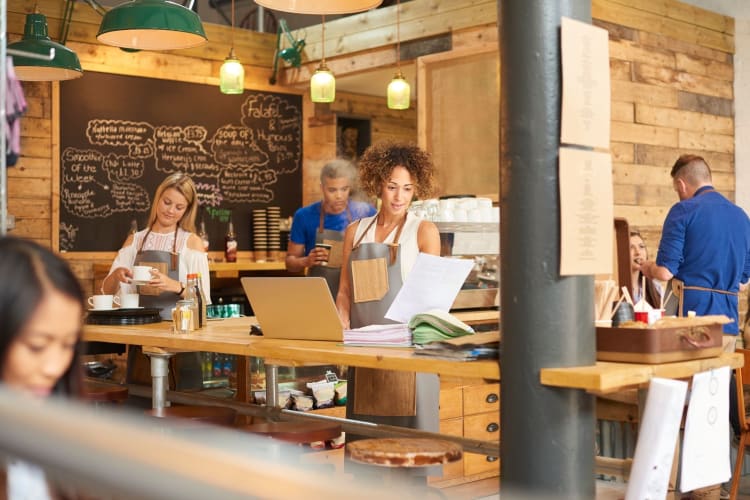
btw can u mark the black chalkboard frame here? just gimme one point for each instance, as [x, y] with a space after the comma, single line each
[243, 151]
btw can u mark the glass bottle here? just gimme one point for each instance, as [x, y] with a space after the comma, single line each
[203, 236]
[192, 294]
[203, 302]
[230, 246]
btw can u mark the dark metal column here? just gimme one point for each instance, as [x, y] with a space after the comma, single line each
[547, 445]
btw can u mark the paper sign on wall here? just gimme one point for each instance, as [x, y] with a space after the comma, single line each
[586, 86]
[586, 212]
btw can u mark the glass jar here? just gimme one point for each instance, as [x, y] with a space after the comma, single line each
[182, 316]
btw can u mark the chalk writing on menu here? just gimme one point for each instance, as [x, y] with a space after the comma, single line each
[236, 163]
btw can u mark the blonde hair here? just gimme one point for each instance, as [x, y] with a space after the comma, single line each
[185, 186]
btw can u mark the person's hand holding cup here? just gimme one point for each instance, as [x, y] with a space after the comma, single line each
[319, 254]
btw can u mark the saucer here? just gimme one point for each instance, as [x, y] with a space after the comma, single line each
[102, 309]
[130, 308]
[139, 282]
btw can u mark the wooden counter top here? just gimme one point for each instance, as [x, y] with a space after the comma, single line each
[231, 336]
[608, 376]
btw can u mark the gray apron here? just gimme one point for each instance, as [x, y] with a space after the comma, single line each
[186, 367]
[332, 270]
[405, 399]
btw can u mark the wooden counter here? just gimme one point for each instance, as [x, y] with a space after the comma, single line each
[608, 376]
[231, 336]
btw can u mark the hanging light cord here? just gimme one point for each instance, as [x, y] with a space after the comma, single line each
[323, 59]
[232, 25]
[398, 35]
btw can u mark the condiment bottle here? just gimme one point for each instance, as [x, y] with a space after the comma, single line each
[203, 236]
[182, 316]
[230, 245]
[204, 303]
[192, 294]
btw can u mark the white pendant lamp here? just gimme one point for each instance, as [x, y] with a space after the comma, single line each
[399, 91]
[320, 7]
[323, 83]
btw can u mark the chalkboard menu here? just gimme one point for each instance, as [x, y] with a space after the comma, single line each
[120, 136]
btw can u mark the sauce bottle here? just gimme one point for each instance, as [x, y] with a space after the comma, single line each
[230, 244]
[203, 236]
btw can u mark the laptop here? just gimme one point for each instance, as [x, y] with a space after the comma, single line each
[298, 308]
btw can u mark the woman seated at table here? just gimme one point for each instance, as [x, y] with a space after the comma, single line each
[171, 248]
[639, 254]
[387, 244]
[42, 318]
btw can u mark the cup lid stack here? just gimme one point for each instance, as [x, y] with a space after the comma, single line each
[273, 221]
[260, 232]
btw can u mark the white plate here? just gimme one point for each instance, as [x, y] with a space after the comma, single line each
[102, 309]
[136, 282]
[129, 308]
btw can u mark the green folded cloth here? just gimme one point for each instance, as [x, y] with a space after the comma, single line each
[436, 325]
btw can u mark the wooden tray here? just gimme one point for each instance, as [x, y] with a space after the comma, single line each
[658, 345]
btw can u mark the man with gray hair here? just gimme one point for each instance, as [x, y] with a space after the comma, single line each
[705, 245]
[323, 223]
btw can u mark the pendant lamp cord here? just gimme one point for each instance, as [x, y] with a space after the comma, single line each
[398, 35]
[232, 31]
[323, 59]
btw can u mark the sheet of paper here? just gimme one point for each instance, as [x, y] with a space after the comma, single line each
[586, 212]
[654, 451]
[433, 283]
[705, 448]
[586, 86]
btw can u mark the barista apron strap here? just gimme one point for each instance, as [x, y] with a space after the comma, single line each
[323, 215]
[393, 246]
[679, 287]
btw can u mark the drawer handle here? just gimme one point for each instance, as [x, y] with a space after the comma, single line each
[492, 398]
[493, 427]
[491, 459]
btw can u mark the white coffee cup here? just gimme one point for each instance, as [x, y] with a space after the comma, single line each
[142, 273]
[129, 301]
[103, 301]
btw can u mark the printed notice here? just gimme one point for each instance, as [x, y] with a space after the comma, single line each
[586, 88]
[705, 449]
[586, 212]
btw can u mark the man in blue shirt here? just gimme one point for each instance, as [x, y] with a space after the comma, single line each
[324, 222]
[705, 244]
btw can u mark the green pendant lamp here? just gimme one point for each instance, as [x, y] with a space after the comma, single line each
[232, 74]
[64, 64]
[151, 25]
[399, 91]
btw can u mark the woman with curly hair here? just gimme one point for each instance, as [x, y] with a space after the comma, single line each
[379, 253]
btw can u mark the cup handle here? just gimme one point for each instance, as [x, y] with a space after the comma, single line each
[91, 301]
[116, 300]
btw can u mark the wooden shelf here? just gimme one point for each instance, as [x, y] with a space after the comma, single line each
[233, 269]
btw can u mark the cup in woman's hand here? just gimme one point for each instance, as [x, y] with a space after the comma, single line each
[623, 313]
[142, 273]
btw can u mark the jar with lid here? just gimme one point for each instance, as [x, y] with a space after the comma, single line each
[183, 316]
[192, 293]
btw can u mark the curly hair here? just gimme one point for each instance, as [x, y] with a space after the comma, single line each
[379, 160]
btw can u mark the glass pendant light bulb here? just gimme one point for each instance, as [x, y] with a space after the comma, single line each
[323, 85]
[399, 92]
[232, 75]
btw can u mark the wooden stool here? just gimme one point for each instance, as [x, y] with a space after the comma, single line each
[99, 392]
[297, 432]
[398, 456]
[216, 415]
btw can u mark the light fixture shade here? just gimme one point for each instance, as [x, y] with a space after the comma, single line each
[399, 92]
[320, 7]
[322, 85]
[151, 25]
[232, 75]
[64, 66]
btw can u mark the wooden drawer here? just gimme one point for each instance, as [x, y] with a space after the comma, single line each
[477, 464]
[483, 426]
[451, 427]
[451, 402]
[481, 398]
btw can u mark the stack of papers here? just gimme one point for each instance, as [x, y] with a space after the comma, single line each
[394, 335]
[436, 325]
[469, 348]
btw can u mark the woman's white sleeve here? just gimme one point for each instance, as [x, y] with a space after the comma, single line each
[125, 258]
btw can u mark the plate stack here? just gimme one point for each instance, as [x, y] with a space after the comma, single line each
[260, 235]
[273, 218]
